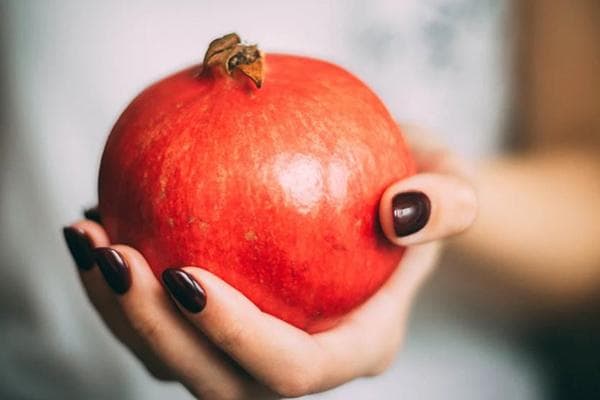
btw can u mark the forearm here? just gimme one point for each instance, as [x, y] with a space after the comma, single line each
[539, 223]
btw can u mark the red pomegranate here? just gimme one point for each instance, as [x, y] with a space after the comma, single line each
[272, 185]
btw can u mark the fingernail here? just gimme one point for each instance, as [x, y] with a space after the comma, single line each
[92, 214]
[114, 268]
[80, 247]
[185, 289]
[411, 212]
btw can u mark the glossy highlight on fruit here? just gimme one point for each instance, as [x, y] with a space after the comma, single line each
[274, 189]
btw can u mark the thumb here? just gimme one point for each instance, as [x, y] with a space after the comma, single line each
[427, 207]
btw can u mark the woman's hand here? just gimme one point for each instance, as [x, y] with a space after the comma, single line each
[221, 346]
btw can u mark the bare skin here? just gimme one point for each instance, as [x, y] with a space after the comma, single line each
[539, 219]
[232, 350]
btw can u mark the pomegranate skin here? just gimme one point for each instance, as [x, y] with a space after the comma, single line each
[275, 190]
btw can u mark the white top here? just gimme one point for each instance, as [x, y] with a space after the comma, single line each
[71, 68]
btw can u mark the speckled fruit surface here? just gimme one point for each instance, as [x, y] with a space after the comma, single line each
[273, 189]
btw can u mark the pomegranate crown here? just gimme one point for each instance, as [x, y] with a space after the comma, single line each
[230, 54]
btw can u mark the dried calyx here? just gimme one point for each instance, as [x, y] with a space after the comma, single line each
[230, 54]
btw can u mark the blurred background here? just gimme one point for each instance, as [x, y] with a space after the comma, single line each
[511, 312]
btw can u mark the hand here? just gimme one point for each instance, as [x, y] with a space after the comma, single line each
[221, 346]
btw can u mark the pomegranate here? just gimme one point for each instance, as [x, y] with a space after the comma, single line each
[266, 171]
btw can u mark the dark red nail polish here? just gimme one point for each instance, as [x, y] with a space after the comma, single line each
[114, 268]
[92, 214]
[80, 247]
[411, 212]
[184, 289]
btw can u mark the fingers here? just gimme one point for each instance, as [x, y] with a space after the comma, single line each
[286, 359]
[82, 237]
[136, 308]
[193, 359]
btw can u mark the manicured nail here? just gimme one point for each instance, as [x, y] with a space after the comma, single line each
[80, 247]
[411, 212]
[92, 214]
[185, 289]
[114, 268]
